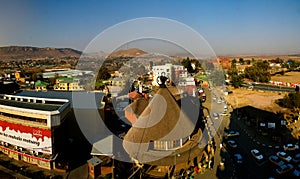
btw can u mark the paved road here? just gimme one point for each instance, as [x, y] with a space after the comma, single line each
[247, 141]
[267, 87]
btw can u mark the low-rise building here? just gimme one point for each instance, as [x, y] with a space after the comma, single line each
[40, 85]
[68, 84]
[28, 127]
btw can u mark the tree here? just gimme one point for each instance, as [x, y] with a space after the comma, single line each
[103, 74]
[236, 79]
[241, 61]
[187, 64]
[292, 100]
[53, 79]
[258, 72]
[218, 77]
[233, 63]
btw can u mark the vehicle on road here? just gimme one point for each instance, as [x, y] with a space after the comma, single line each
[232, 143]
[284, 156]
[225, 108]
[284, 168]
[296, 158]
[216, 116]
[214, 97]
[232, 133]
[297, 171]
[238, 158]
[275, 160]
[290, 147]
[257, 155]
[219, 101]
[223, 113]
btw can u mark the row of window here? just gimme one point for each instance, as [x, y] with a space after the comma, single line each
[168, 145]
[26, 118]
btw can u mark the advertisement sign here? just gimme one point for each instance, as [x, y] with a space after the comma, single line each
[31, 138]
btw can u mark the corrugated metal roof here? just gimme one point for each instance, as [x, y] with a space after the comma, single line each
[78, 99]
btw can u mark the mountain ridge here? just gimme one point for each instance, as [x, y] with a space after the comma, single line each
[29, 52]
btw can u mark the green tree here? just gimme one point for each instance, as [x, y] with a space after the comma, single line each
[241, 61]
[235, 77]
[258, 72]
[292, 100]
[103, 74]
[233, 63]
[187, 64]
[53, 79]
[217, 77]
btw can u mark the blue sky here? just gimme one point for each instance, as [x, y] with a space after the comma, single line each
[230, 27]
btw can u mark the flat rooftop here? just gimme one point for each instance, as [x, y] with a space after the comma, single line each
[30, 105]
[78, 99]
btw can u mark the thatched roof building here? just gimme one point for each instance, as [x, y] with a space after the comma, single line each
[161, 131]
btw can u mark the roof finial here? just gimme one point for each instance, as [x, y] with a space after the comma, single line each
[161, 80]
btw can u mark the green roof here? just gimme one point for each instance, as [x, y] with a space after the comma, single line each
[36, 106]
[40, 83]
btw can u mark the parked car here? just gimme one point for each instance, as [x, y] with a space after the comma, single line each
[232, 133]
[284, 156]
[290, 147]
[284, 168]
[216, 116]
[275, 160]
[296, 158]
[238, 158]
[257, 155]
[232, 143]
[297, 171]
[219, 101]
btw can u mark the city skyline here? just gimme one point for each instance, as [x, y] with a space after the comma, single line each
[229, 27]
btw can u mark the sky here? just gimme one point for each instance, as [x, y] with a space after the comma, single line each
[231, 27]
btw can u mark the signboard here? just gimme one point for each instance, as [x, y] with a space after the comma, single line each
[27, 137]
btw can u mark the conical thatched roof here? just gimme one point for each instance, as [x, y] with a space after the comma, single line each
[162, 120]
[137, 106]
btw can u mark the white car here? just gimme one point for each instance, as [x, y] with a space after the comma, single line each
[284, 156]
[216, 116]
[290, 147]
[256, 154]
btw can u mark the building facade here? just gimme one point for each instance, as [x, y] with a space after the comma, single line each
[68, 84]
[28, 125]
[172, 72]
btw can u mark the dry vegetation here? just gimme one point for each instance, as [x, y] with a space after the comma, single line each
[290, 77]
[257, 99]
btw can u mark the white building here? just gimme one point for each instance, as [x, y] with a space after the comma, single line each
[173, 72]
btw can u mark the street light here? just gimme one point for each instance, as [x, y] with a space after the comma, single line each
[175, 162]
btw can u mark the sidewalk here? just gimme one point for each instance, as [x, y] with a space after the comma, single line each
[7, 173]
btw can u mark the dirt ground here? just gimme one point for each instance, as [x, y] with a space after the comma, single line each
[262, 100]
[290, 77]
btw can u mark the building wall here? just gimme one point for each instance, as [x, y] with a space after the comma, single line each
[173, 72]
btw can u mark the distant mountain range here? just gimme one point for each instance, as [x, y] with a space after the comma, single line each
[132, 52]
[27, 52]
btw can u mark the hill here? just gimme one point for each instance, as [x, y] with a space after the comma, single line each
[132, 52]
[26, 52]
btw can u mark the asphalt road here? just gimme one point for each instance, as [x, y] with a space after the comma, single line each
[267, 87]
